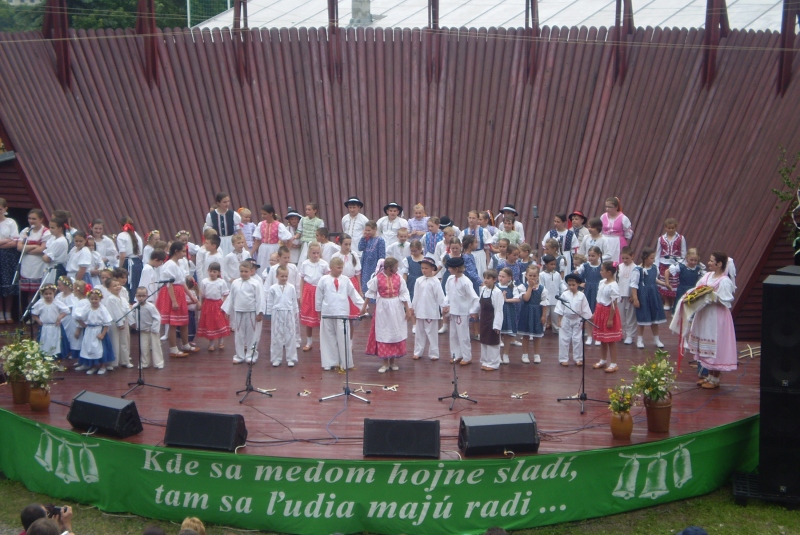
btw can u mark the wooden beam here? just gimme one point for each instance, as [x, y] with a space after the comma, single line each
[623, 22]
[56, 26]
[146, 27]
[334, 43]
[791, 13]
[532, 37]
[433, 42]
[716, 27]
[241, 36]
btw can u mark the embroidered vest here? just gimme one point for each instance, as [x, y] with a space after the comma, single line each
[310, 227]
[269, 232]
[227, 228]
[566, 245]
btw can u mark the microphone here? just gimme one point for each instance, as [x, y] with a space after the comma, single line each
[166, 281]
[559, 298]
[536, 212]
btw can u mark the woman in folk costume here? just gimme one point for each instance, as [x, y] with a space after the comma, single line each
[387, 336]
[268, 236]
[616, 229]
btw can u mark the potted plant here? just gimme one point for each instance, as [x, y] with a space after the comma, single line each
[620, 402]
[39, 374]
[27, 366]
[653, 381]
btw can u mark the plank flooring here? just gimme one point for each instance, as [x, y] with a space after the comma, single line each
[288, 425]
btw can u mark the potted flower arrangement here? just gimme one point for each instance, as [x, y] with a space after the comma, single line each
[620, 401]
[654, 380]
[28, 369]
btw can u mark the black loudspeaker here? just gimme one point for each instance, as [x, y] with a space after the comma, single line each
[780, 334]
[497, 433]
[206, 430]
[111, 416]
[779, 444]
[793, 271]
[401, 438]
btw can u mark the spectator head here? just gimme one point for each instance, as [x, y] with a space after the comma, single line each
[44, 526]
[195, 524]
[31, 513]
[153, 530]
[496, 531]
[188, 532]
[693, 530]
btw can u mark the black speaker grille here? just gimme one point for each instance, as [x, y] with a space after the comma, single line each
[780, 334]
[111, 416]
[401, 438]
[206, 430]
[779, 469]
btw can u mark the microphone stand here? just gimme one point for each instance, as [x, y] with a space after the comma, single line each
[536, 228]
[140, 381]
[348, 392]
[455, 395]
[581, 396]
[34, 299]
[248, 386]
[18, 275]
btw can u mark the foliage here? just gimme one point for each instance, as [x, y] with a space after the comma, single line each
[621, 397]
[20, 18]
[789, 196]
[24, 360]
[100, 14]
[655, 377]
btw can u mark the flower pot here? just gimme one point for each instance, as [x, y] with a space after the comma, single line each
[21, 391]
[40, 399]
[621, 425]
[658, 414]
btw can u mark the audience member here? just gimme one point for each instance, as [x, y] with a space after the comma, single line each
[195, 524]
[153, 530]
[44, 526]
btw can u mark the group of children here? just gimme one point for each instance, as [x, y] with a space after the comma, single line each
[482, 282]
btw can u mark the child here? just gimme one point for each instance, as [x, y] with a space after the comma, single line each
[373, 249]
[104, 245]
[578, 221]
[56, 252]
[328, 247]
[532, 315]
[616, 228]
[455, 251]
[552, 248]
[130, 247]
[566, 238]
[418, 225]
[151, 275]
[590, 272]
[432, 237]
[510, 211]
[445, 222]
[627, 312]
[426, 300]
[526, 256]
[606, 316]
[150, 239]
[508, 232]
[442, 249]
[686, 273]
[70, 344]
[213, 290]
[468, 245]
[248, 227]
[353, 222]
[554, 285]
[31, 243]
[284, 259]
[352, 268]
[569, 323]
[486, 221]
[399, 250]
[212, 254]
[192, 302]
[267, 237]
[307, 229]
[391, 223]
[505, 284]
[460, 302]
[49, 313]
[492, 319]
[411, 267]
[96, 349]
[282, 311]
[147, 321]
[224, 221]
[293, 223]
[118, 331]
[670, 250]
[595, 239]
[120, 275]
[646, 299]
[335, 296]
[311, 271]
[244, 309]
[187, 263]
[578, 260]
[97, 262]
[230, 266]
[171, 302]
[389, 330]
[512, 262]
[79, 259]
[501, 246]
[483, 241]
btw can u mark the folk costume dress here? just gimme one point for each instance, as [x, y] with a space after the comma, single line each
[269, 236]
[226, 224]
[388, 228]
[49, 332]
[70, 344]
[651, 307]
[213, 324]
[607, 293]
[57, 250]
[334, 298]
[460, 296]
[77, 259]
[231, 263]
[687, 279]
[311, 272]
[669, 252]
[94, 351]
[169, 316]
[483, 241]
[387, 336]
[118, 307]
[571, 332]
[509, 324]
[243, 305]
[618, 233]
[568, 244]
[591, 276]
[8, 257]
[372, 250]
[530, 314]
[492, 303]
[413, 270]
[32, 266]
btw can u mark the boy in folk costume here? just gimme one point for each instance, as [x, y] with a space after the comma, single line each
[460, 302]
[283, 312]
[428, 298]
[353, 223]
[570, 332]
[244, 308]
[147, 321]
[333, 297]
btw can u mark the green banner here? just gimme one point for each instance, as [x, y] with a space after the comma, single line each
[311, 496]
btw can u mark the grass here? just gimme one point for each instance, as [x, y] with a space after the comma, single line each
[716, 512]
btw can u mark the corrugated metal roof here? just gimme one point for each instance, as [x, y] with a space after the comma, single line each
[481, 137]
[743, 14]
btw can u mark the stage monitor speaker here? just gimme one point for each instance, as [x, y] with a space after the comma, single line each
[779, 469]
[111, 416]
[401, 438]
[793, 271]
[497, 433]
[205, 430]
[780, 334]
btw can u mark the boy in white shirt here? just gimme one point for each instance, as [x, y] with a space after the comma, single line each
[244, 308]
[332, 295]
[230, 265]
[390, 224]
[328, 247]
[282, 311]
[213, 254]
[595, 238]
[428, 298]
[627, 312]
[400, 250]
[570, 321]
[150, 275]
[353, 223]
[147, 321]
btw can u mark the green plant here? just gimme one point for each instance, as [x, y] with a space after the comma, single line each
[789, 196]
[621, 398]
[25, 361]
[655, 377]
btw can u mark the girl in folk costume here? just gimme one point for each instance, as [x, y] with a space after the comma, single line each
[311, 271]
[627, 312]
[616, 229]
[70, 344]
[442, 251]
[533, 297]
[248, 227]
[98, 266]
[491, 304]
[333, 300]
[351, 269]
[225, 221]
[118, 331]
[567, 241]
[282, 311]
[104, 245]
[80, 260]
[508, 326]
[411, 267]
[510, 211]
[711, 336]
[268, 236]
[646, 299]
[171, 302]
[427, 298]
[213, 326]
[353, 222]
[184, 236]
[606, 317]
[591, 273]
[307, 229]
[670, 250]
[56, 252]
[483, 241]
[49, 314]
[130, 247]
[96, 348]
[9, 257]
[31, 244]
[389, 330]
[432, 237]
[150, 239]
[687, 273]
[295, 246]
[486, 221]
[418, 225]
[372, 249]
[460, 303]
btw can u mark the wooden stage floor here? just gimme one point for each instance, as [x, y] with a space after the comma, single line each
[288, 425]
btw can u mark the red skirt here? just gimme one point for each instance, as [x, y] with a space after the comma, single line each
[354, 310]
[663, 274]
[179, 316]
[602, 333]
[308, 313]
[212, 323]
[382, 349]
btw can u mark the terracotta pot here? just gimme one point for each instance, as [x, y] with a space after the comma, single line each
[40, 399]
[658, 414]
[621, 425]
[21, 391]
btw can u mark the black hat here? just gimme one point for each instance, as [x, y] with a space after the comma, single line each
[574, 277]
[291, 212]
[354, 200]
[455, 261]
[444, 222]
[509, 208]
[431, 262]
[392, 205]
